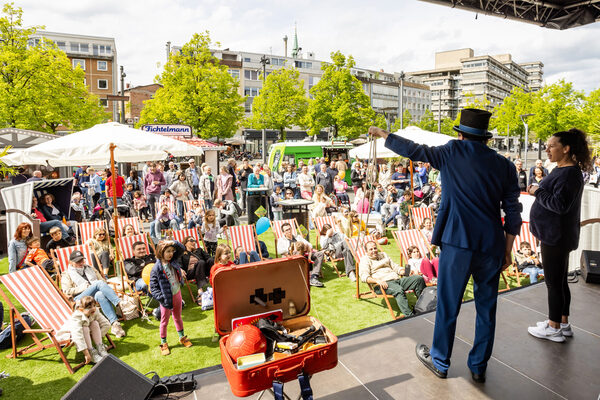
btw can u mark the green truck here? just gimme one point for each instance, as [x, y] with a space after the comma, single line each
[292, 152]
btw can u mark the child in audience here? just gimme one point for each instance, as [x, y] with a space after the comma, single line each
[86, 325]
[141, 206]
[210, 229]
[427, 229]
[195, 215]
[275, 207]
[166, 279]
[417, 264]
[528, 263]
[37, 256]
[243, 257]
[223, 260]
[128, 194]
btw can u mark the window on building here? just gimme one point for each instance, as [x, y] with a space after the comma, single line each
[251, 75]
[303, 64]
[102, 84]
[246, 59]
[103, 103]
[312, 81]
[102, 65]
[251, 91]
[62, 46]
[79, 47]
[278, 61]
[32, 42]
[235, 73]
[101, 49]
[80, 62]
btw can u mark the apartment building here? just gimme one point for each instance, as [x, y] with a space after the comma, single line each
[97, 56]
[459, 74]
[137, 96]
[536, 74]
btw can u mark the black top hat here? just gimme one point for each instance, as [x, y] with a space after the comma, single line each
[76, 256]
[474, 123]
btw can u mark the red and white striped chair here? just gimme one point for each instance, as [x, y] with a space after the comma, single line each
[418, 214]
[193, 232]
[133, 221]
[278, 233]
[126, 244]
[243, 236]
[358, 248]
[38, 294]
[170, 205]
[411, 237]
[63, 254]
[87, 229]
[319, 223]
[525, 235]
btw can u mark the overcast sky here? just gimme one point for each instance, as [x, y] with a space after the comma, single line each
[393, 35]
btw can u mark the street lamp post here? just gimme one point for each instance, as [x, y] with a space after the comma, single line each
[401, 100]
[123, 75]
[264, 60]
[523, 116]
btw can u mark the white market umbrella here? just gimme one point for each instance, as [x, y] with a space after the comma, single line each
[413, 133]
[93, 147]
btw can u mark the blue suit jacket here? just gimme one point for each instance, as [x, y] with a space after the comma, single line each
[477, 183]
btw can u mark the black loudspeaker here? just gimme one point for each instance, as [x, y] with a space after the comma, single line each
[590, 266]
[111, 378]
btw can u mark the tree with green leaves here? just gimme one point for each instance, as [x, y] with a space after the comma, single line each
[428, 122]
[506, 117]
[339, 101]
[197, 91]
[39, 89]
[590, 116]
[281, 103]
[406, 121]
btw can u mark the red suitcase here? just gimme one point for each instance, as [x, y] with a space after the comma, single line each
[276, 283]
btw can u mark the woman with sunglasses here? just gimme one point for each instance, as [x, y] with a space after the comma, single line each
[100, 244]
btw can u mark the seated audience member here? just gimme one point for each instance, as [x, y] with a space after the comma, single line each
[79, 207]
[418, 264]
[363, 206]
[197, 264]
[334, 244]
[166, 197]
[229, 214]
[427, 229]
[141, 206]
[340, 186]
[46, 225]
[164, 220]
[379, 197]
[37, 256]
[223, 261]
[51, 213]
[528, 263]
[283, 246]
[17, 247]
[134, 266]
[128, 231]
[436, 199]
[377, 268]
[245, 257]
[57, 241]
[100, 244]
[195, 215]
[402, 212]
[355, 225]
[83, 280]
[322, 205]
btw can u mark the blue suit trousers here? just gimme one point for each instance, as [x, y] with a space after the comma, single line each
[455, 267]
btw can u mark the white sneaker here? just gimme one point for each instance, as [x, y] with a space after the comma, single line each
[543, 330]
[566, 329]
[352, 276]
[101, 349]
[96, 358]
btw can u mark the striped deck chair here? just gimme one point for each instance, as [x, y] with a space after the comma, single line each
[319, 223]
[525, 235]
[87, 229]
[277, 232]
[63, 254]
[183, 233]
[133, 221]
[170, 204]
[243, 236]
[358, 249]
[418, 214]
[411, 237]
[188, 208]
[38, 294]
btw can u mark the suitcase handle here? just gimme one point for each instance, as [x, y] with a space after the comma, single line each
[300, 367]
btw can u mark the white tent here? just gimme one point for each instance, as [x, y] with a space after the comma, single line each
[92, 147]
[413, 133]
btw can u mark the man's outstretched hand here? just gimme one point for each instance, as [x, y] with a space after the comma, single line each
[378, 132]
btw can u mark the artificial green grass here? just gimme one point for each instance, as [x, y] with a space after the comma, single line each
[42, 375]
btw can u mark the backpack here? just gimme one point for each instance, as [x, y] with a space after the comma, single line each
[237, 207]
[427, 300]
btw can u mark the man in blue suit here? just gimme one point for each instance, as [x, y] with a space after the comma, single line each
[478, 182]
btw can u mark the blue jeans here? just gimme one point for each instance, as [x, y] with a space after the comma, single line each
[155, 228]
[533, 273]
[377, 204]
[141, 286]
[180, 210]
[456, 265]
[246, 258]
[105, 296]
[208, 204]
[46, 226]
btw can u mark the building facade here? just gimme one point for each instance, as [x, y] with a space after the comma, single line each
[137, 96]
[460, 76]
[97, 56]
[536, 74]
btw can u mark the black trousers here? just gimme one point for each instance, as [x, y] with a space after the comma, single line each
[200, 271]
[556, 265]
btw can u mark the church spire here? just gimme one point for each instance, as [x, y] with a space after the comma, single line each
[296, 49]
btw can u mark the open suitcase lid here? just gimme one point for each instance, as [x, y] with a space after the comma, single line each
[274, 282]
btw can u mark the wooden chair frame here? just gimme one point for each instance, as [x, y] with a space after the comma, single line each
[44, 290]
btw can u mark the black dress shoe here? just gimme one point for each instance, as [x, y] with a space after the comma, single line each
[479, 378]
[423, 355]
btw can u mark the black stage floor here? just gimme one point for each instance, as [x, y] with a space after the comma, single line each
[380, 363]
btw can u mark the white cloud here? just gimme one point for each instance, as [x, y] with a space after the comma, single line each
[393, 35]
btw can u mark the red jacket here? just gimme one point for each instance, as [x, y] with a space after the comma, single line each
[120, 184]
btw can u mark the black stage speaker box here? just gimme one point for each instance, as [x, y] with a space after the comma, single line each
[111, 378]
[590, 266]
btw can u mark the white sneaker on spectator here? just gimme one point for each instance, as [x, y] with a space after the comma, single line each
[352, 276]
[543, 330]
[566, 329]
[96, 358]
[101, 349]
